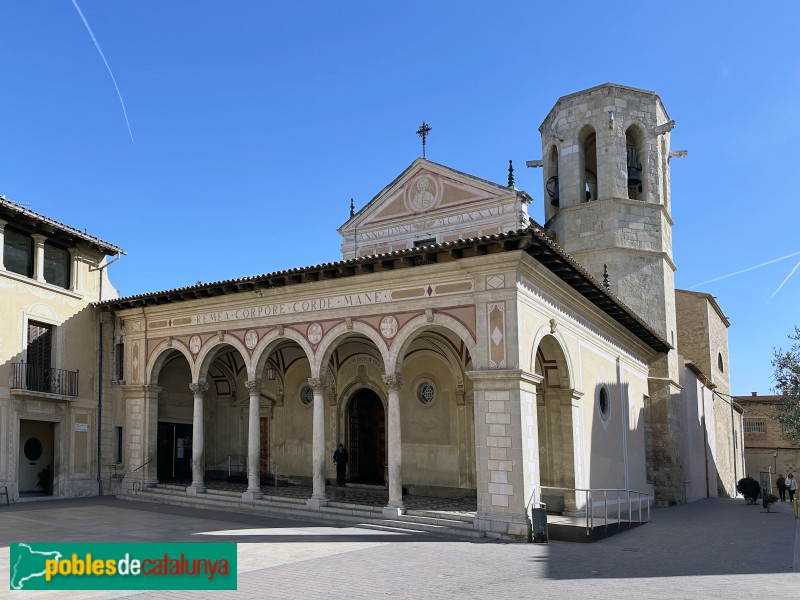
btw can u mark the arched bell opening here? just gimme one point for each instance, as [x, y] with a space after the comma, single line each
[588, 164]
[636, 163]
[552, 182]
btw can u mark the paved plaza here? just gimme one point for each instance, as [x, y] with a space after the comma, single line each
[709, 549]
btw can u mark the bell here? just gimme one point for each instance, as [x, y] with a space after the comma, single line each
[552, 190]
[634, 176]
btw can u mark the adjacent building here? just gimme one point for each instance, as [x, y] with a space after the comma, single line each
[50, 378]
[767, 448]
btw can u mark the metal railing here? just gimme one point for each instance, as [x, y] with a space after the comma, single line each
[36, 378]
[601, 498]
[138, 484]
[237, 464]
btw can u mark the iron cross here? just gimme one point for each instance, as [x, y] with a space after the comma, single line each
[423, 132]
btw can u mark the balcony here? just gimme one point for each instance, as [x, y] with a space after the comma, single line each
[35, 378]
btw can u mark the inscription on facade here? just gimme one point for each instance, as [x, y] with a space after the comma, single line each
[427, 224]
[289, 308]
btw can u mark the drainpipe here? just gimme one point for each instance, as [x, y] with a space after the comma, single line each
[100, 269]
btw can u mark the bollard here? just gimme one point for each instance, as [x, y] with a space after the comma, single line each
[539, 525]
[794, 501]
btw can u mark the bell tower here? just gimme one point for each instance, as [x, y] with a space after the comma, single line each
[607, 199]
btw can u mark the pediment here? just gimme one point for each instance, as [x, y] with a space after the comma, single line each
[429, 199]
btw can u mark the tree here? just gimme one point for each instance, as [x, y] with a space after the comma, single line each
[787, 383]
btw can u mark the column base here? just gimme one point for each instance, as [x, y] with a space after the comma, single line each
[504, 526]
[317, 502]
[196, 488]
[391, 511]
[252, 495]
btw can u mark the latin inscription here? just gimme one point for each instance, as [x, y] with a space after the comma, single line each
[290, 308]
[479, 215]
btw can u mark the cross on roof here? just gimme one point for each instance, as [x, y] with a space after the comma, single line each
[423, 132]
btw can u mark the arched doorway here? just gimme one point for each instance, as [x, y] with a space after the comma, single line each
[366, 437]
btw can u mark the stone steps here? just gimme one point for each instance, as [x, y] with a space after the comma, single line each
[336, 513]
[438, 521]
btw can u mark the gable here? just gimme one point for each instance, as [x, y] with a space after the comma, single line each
[430, 202]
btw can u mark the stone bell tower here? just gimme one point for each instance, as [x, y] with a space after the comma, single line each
[607, 199]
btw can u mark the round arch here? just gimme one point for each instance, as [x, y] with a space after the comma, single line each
[162, 353]
[553, 342]
[266, 346]
[208, 353]
[420, 324]
[336, 335]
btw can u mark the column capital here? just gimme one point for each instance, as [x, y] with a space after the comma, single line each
[317, 384]
[393, 382]
[198, 387]
[253, 386]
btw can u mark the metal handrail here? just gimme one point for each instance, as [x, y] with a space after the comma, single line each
[141, 466]
[274, 471]
[620, 493]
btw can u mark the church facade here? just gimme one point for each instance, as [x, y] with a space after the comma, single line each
[458, 349]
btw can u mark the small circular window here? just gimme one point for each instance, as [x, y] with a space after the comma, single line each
[603, 404]
[307, 395]
[426, 393]
[32, 449]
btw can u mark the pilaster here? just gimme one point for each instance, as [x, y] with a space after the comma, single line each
[141, 423]
[506, 447]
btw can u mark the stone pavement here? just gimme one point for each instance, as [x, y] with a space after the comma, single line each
[709, 549]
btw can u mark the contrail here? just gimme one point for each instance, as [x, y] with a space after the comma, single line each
[764, 264]
[100, 51]
[775, 293]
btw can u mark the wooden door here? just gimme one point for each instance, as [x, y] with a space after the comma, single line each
[264, 437]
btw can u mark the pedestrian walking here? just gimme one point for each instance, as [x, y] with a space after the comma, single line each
[791, 486]
[780, 482]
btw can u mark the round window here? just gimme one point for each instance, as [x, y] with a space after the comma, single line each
[604, 404]
[32, 449]
[307, 395]
[426, 393]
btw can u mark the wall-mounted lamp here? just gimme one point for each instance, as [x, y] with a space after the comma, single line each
[270, 373]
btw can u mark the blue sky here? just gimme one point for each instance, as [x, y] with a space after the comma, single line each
[254, 123]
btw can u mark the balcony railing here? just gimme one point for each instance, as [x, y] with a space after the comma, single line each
[35, 378]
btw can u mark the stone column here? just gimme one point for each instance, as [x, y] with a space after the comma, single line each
[2, 242]
[198, 441]
[395, 506]
[74, 282]
[141, 433]
[318, 497]
[254, 442]
[38, 256]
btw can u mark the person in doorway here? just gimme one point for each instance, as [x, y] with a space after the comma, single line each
[340, 458]
[780, 482]
[791, 486]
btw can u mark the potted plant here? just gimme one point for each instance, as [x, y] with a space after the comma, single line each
[749, 488]
[767, 500]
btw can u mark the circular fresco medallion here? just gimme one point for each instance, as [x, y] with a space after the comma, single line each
[194, 344]
[314, 333]
[389, 326]
[250, 339]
